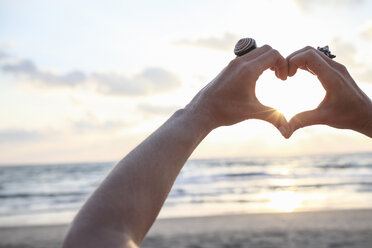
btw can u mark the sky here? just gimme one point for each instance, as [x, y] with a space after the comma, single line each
[86, 81]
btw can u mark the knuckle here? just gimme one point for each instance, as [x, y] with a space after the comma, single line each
[248, 71]
[311, 53]
[234, 62]
[267, 47]
[309, 48]
[248, 67]
[342, 68]
[275, 53]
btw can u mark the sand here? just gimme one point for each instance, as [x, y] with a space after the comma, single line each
[328, 229]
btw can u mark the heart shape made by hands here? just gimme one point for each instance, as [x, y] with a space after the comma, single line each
[296, 94]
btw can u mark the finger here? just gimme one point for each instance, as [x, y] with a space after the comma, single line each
[255, 53]
[307, 118]
[275, 70]
[300, 51]
[293, 69]
[303, 50]
[274, 117]
[330, 61]
[312, 61]
[338, 66]
[272, 59]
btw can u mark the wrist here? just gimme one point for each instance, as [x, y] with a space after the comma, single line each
[199, 118]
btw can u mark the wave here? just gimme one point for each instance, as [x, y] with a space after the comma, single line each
[46, 195]
[52, 188]
[319, 185]
[344, 166]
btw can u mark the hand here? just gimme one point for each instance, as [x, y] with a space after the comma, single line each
[230, 98]
[344, 106]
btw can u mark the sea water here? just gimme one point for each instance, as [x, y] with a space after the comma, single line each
[52, 194]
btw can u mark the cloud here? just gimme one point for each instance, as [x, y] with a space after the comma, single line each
[223, 43]
[150, 80]
[94, 125]
[20, 135]
[157, 109]
[28, 69]
[366, 75]
[367, 31]
[306, 4]
[346, 54]
[23, 67]
[88, 124]
[3, 55]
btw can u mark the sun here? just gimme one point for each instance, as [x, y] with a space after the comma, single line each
[297, 94]
[284, 201]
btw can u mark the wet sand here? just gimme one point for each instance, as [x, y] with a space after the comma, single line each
[328, 229]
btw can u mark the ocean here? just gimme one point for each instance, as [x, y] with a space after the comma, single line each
[52, 194]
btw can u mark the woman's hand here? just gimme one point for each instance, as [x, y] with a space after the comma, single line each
[344, 106]
[230, 98]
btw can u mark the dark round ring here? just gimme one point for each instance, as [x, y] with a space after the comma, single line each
[326, 52]
[244, 46]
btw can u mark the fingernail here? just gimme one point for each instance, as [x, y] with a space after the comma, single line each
[283, 130]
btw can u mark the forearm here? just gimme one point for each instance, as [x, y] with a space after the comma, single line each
[130, 198]
[126, 204]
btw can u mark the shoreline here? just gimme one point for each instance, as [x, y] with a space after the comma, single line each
[114, 162]
[160, 217]
[329, 228]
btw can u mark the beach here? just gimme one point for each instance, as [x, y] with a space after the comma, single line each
[302, 201]
[328, 229]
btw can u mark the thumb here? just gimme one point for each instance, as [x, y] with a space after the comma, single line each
[307, 118]
[274, 117]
